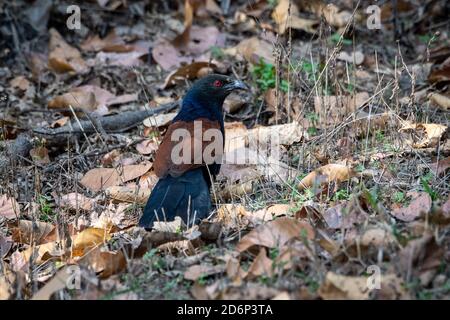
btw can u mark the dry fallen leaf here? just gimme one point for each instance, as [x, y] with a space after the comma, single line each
[60, 122]
[5, 246]
[182, 40]
[148, 180]
[424, 134]
[260, 147]
[101, 178]
[193, 273]
[113, 217]
[262, 265]
[233, 173]
[441, 73]
[40, 155]
[186, 72]
[326, 174]
[201, 40]
[234, 102]
[147, 147]
[129, 194]
[105, 263]
[7, 280]
[90, 98]
[229, 214]
[388, 10]
[332, 110]
[345, 215]
[63, 57]
[253, 50]
[273, 211]
[442, 101]
[111, 43]
[356, 57]
[77, 99]
[235, 191]
[284, 20]
[440, 166]
[377, 237]
[420, 203]
[275, 234]
[159, 120]
[169, 226]
[421, 258]
[332, 14]
[58, 282]
[125, 59]
[26, 231]
[40, 253]
[9, 208]
[131, 172]
[88, 239]
[20, 82]
[76, 201]
[339, 287]
[190, 45]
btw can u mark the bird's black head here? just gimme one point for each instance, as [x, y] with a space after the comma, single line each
[206, 96]
[217, 85]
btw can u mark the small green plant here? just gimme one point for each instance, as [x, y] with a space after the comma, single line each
[273, 253]
[217, 53]
[388, 147]
[379, 136]
[350, 88]
[425, 295]
[372, 196]
[307, 195]
[310, 68]
[335, 39]
[359, 168]
[428, 39]
[155, 261]
[45, 208]
[341, 195]
[309, 281]
[272, 3]
[425, 182]
[153, 134]
[399, 197]
[202, 280]
[314, 120]
[149, 254]
[264, 280]
[265, 78]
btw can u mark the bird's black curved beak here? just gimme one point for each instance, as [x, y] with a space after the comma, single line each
[236, 85]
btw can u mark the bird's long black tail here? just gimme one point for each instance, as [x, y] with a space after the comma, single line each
[184, 196]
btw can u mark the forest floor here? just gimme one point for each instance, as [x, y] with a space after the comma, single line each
[345, 192]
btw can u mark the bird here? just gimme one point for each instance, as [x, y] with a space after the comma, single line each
[183, 188]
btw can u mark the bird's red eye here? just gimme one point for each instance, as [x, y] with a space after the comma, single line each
[217, 83]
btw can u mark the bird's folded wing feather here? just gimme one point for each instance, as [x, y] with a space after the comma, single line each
[182, 135]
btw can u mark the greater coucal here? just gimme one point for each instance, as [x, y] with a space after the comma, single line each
[183, 186]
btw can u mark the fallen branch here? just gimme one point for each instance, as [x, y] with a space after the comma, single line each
[110, 124]
[15, 151]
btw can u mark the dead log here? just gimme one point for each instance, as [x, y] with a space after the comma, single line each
[111, 124]
[14, 152]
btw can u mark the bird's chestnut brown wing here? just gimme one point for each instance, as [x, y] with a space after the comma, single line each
[185, 138]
